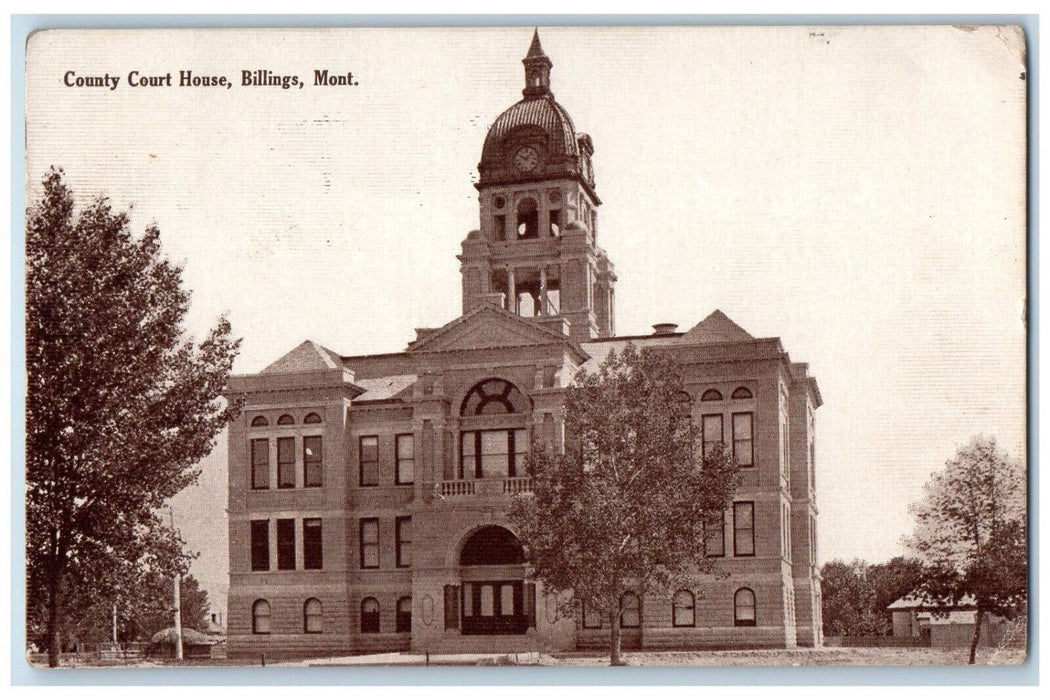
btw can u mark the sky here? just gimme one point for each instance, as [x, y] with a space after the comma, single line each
[858, 192]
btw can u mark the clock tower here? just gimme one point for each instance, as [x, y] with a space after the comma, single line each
[535, 253]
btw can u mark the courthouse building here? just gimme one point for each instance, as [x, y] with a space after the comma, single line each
[368, 494]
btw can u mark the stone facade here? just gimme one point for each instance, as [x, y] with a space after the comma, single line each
[368, 494]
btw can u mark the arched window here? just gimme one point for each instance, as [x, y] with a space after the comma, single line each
[494, 453]
[684, 614]
[711, 395]
[629, 614]
[493, 397]
[370, 616]
[260, 422]
[744, 608]
[313, 619]
[286, 420]
[312, 419]
[742, 392]
[260, 617]
[528, 219]
[404, 614]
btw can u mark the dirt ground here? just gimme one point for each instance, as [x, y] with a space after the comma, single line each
[828, 656]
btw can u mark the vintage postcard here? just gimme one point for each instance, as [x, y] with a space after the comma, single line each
[556, 346]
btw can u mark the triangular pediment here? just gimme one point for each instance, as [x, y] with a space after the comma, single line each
[306, 357]
[716, 328]
[486, 327]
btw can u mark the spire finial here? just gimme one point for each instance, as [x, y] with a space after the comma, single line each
[537, 69]
[535, 48]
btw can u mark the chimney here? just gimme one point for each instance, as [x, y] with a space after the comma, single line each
[665, 328]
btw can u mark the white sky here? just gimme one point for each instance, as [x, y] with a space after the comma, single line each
[858, 192]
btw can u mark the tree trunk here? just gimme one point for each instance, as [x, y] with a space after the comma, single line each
[54, 593]
[54, 646]
[978, 620]
[614, 639]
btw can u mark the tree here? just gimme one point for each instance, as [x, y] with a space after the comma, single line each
[120, 404]
[624, 507]
[891, 581]
[855, 595]
[848, 600]
[970, 534]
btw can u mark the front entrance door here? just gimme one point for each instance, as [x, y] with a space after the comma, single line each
[494, 607]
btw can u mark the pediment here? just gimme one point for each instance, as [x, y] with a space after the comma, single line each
[486, 327]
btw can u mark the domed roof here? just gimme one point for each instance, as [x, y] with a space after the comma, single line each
[539, 123]
[542, 112]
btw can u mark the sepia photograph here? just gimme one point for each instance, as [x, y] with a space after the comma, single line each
[547, 346]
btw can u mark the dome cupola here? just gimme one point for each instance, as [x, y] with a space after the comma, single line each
[535, 138]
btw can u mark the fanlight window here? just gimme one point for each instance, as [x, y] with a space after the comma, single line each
[260, 422]
[286, 420]
[492, 545]
[260, 617]
[711, 395]
[744, 608]
[404, 615]
[313, 617]
[493, 397]
[684, 609]
[742, 392]
[312, 419]
[370, 615]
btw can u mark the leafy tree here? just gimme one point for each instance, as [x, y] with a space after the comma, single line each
[855, 595]
[120, 404]
[970, 534]
[848, 600]
[623, 509]
[891, 581]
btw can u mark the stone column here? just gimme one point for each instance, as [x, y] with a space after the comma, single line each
[543, 291]
[512, 294]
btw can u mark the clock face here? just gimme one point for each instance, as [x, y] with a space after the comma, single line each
[526, 158]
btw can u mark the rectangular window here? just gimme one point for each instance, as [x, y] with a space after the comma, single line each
[468, 464]
[744, 529]
[712, 429]
[405, 456]
[369, 458]
[500, 224]
[403, 531]
[260, 545]
[286, 463]
[493, 453]
[743, 439]
[488, 606]
[369, 543]
[715, 536]
[785, 442]
[312, 469]
[261, 464]
[285, 544]
[313, 556]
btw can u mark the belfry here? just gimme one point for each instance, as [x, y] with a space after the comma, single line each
[536, 252]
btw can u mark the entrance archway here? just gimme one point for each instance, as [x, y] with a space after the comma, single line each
[495, 597]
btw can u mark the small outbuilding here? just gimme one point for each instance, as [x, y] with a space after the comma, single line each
[950, 626]
[194, 644]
